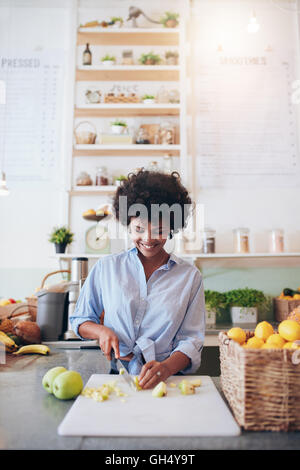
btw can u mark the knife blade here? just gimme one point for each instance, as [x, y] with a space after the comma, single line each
[125, 375]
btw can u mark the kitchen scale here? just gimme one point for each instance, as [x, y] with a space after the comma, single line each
[97, 239]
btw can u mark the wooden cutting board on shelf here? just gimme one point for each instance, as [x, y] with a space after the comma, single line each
[202, 414]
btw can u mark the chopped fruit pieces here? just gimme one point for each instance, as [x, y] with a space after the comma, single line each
[160, 390]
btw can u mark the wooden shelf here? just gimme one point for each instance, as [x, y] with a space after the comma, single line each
[126, 150]
[201, 255]
[129, 36]
[124, 73]
[127, 109]
[92, 190]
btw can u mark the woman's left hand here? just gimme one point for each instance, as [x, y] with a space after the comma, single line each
[152, 373]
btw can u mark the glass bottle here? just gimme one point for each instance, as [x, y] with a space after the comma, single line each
[209, 240]
[276, 241]
[241, 240]
[87, 56]
[101, 176]
[153, 166]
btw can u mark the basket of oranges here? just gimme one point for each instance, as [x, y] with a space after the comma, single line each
[287, 301]
[260, 375]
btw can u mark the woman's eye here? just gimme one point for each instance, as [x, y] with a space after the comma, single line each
[139, 229]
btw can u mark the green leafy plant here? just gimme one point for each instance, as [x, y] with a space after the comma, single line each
[216, 301]
[61, 235]
[168, 17]
[118, 122]
[150, 58]
[244, 298]
[116, 19]
[121, 178]
[148, 97]
[108, 57]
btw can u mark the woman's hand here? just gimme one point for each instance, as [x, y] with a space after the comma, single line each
[152, 373]
[108, 340]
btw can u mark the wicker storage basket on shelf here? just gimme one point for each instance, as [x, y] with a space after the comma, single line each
[85, 137]
[262, 386]
[283, 307]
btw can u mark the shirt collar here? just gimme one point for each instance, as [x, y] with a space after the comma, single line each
[172, 259]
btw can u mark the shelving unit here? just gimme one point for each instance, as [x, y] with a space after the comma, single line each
[99, 75]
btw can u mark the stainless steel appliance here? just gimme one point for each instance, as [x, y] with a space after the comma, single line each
[57, 304]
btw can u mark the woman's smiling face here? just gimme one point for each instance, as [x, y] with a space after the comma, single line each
[149, 239]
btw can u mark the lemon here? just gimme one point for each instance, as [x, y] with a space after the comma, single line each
[290, 345]
[289, 330]
[237, 334]
[276, 340]
[263, 330]
[254, 343]
[269, 346]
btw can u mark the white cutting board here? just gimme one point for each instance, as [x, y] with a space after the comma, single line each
[202, 414]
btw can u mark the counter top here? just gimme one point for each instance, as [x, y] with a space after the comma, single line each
[29, 416]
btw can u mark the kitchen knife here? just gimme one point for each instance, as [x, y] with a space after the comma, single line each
[124, 375]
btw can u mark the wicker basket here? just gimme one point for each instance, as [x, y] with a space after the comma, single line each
[85, 137]
[261, 385]
[283, 307]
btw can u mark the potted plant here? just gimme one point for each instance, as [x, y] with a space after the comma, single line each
[171, 57]
[150, 59]
[116, 22]
[61, 237]
[148, 99]
[243, 304]
[119, 180]
[108, 60]
[118, 126]
[170, 19]
[215, 303]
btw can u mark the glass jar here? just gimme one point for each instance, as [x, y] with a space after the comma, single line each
[241, 240]
[101, 176]
[276, 240]
[84, 179]
[168, 165]
[153, 166]
[142, 136]
[209, 240]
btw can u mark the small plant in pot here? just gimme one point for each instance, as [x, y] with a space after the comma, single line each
[61, 237]
[118, 126]
[116, 22]
[170, 19]
[148, 99]
[215, 303]
[150, 59]
[108, 60]
[243, 304]
[119, 180]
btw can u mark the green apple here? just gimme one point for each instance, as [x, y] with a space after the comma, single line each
[160, 390]
[186, 387]
[50, 376]
[67, 385]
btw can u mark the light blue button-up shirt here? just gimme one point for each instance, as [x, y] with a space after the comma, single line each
[152, 318]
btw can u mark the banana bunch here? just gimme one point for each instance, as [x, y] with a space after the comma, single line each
[10, 345]
[33, 349]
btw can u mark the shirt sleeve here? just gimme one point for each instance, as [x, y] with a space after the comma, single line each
[89, 304]
[190, 336]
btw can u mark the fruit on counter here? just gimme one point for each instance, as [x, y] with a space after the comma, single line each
[12, 301]
[6, 325]
[186, 388]
[196, 383]
[33, 349]
[263, 330]
[89, 212]
[50, 376]
[276, 340]
[67, 385]
[102, 393]
[237, 334]
[10, 345]
[15, 338]
[28, 331]
[289, 330]
[136, 382]
[4, 302]
[254, 342]
[122, 371]
[160, 390]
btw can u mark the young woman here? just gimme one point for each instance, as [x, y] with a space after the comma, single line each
[153, 301]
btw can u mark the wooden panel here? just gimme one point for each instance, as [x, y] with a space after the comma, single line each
[128, 39]
[119, 75]
[126, 153]
[89, 112]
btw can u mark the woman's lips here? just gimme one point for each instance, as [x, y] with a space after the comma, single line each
[148, 247]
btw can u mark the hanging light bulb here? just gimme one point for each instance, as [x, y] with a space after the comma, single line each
[3, 188]
[253, 25]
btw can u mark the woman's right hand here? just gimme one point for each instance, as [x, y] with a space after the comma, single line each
[108, 340]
